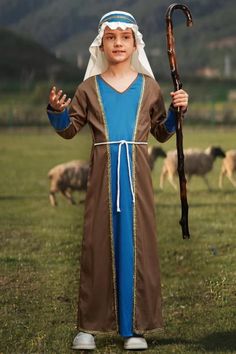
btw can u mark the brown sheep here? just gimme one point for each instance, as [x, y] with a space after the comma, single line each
[228, 168]
[196, 162]
[68, 177]
[154, 152]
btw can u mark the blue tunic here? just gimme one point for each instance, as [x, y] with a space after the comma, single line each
[121, 113]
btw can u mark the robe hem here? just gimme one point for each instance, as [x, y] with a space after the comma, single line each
[116, 332]
[144, 331]
[97, 331]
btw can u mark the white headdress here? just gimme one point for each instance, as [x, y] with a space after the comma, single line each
[117, 19]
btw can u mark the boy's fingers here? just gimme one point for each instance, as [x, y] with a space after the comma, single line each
[66, 104]
[62, 100]
[179, 92]
[52, 93]
[178, 98]
[58, 95]
[180, 104]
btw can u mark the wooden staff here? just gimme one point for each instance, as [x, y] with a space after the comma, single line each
[179, 113]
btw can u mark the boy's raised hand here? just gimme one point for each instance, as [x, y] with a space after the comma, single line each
[58, 101]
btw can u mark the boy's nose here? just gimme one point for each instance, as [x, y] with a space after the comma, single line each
[118, 42]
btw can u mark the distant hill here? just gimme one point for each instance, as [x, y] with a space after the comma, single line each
[25, 60]
[68, 27]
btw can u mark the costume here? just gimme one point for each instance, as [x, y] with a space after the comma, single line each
[119, 275]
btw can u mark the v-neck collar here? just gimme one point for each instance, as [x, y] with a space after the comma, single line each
[116, 89]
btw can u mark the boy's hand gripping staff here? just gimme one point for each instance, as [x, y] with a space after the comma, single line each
[179, 113]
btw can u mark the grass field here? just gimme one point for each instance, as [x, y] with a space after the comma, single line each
[40, 249]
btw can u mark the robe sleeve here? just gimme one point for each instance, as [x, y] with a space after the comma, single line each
[70, 121]
[162, 124]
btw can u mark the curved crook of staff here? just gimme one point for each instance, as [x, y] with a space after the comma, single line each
[179, 114]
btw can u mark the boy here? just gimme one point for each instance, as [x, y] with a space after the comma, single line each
[121, 101]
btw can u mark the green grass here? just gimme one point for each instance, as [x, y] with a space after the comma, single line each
[40, 249]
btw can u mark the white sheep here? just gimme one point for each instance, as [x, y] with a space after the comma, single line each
[154, 152]
[228, 168]
[196, 162]
[68, 177]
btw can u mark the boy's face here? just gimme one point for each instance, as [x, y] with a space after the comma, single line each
[118, 45]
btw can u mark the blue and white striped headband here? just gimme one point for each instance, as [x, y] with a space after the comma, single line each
[117, 16]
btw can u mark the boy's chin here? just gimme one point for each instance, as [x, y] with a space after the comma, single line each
[118, 59]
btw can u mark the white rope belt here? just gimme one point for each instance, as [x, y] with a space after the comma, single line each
[126, 143]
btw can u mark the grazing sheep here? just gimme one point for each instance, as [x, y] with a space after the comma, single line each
[196, 162]
[66, 178]
[228, 168]
[154, 152]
